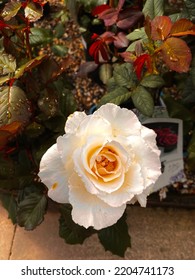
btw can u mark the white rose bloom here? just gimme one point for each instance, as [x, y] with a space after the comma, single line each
[103, 162]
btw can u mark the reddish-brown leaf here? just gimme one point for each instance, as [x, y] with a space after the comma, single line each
[181, 25]
[176, 54]
[160, 27]
[147, 26]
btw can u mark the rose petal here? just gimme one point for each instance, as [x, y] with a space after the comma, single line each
[95, 184]
[66, 145]
[52, 174]
[74, 121]
[150, 138]
[88, 210]
[94, 125]
[123, 121]
[147, 158]
[133, 184]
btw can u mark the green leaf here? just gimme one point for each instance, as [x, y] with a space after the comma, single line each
[71, 232]
[59, 50]
[40, 36]
[9, 203]
[59, 30]
[7, 168]
[137, 34]
[153, 8]
[117, 96]
[9, 184]
[191, 153]
[152, 81]
[7, 63]
[67, 102]
[143, 101]
[31, 210]
[33, 11]
[178, 110]
[116, 237]
[111, 84]
[105, 72]
[175, 17]
[131, 47]
[189, 10]
[11, 9]
[34, 130]
[14, 105]
[192, 71]
[124, 75]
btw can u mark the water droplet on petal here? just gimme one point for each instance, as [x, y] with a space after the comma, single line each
[9, 115]
[174, 58]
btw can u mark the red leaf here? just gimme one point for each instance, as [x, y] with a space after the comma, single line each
[160, 27]
[99, 9]
[99, 51]
[176, 54]
[139, 64]
[3, 24]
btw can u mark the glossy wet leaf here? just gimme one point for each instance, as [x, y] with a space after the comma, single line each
[11, 9]
[33, 11]
[116, 237]
[29, 65]
[176, 54]
[14, 105]
[7, 63]
[143, 101]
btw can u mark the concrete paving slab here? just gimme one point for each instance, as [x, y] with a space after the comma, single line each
[156, 233]
[7, 230]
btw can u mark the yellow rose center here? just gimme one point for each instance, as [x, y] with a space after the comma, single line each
[106, 162]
